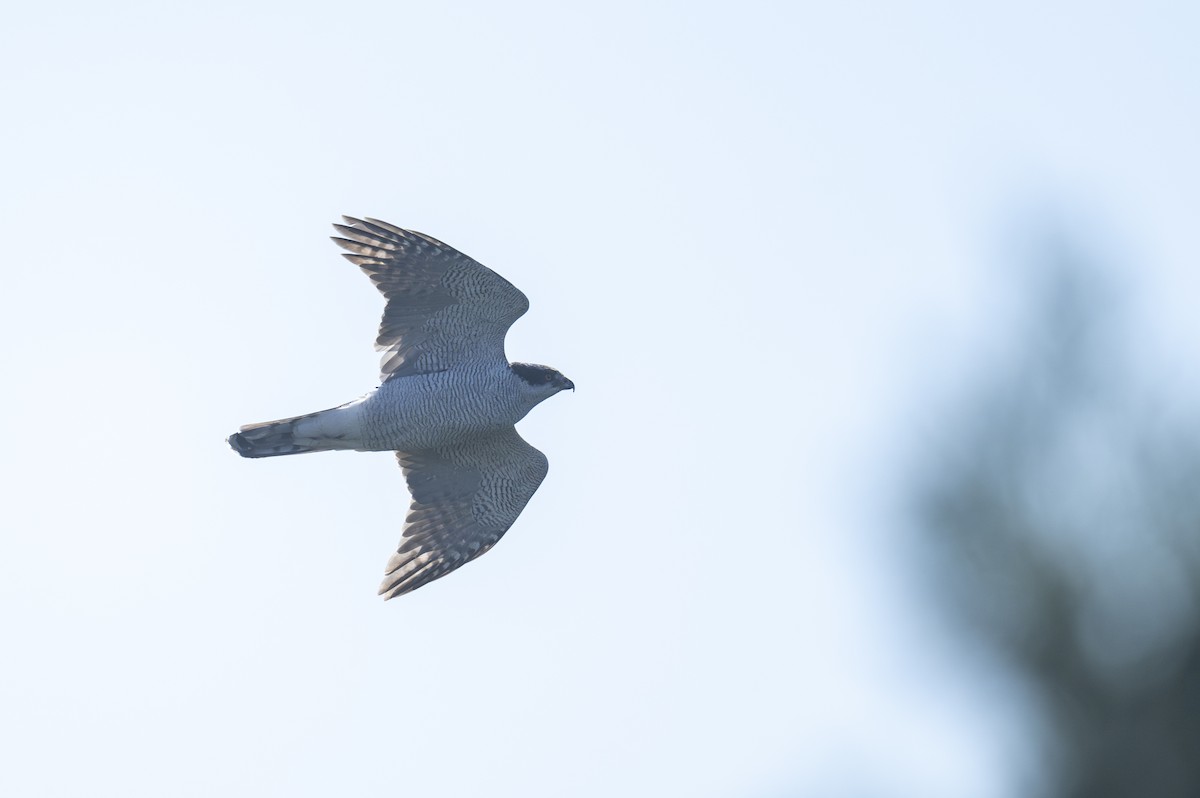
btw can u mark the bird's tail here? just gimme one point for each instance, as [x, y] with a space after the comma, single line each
[336, 428]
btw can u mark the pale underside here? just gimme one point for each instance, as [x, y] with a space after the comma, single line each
[445, 309]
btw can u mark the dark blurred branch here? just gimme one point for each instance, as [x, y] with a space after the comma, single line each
[1064, 524]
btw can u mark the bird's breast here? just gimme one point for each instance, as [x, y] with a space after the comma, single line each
[424, 411]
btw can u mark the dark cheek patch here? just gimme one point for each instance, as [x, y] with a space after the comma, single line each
[533, 374]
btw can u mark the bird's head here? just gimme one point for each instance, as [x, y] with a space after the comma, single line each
[541, 381]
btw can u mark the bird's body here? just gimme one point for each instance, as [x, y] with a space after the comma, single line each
[410, 413]
[418, 412]
[447, 404]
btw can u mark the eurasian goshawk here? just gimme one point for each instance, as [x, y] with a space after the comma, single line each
[447, 405]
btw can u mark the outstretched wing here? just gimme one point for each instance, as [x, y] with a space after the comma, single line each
[464, 498]
[442, 307]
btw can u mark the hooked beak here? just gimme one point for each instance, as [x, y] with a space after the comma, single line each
[567, 384]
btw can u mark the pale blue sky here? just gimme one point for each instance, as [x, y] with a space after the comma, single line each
[762, 238]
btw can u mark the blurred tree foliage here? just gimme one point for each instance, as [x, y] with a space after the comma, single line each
[1063, 515]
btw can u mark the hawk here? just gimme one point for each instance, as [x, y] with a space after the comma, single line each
[447, 403]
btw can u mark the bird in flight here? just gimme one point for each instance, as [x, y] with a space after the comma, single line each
[447, 403]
